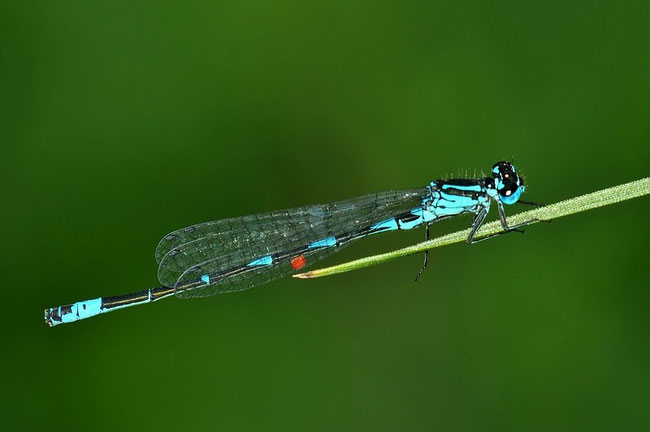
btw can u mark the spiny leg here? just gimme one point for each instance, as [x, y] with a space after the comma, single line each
[530, 203]
[508, 230]
[476, 224]
[534, 204]
[426, 254]
[504, 222]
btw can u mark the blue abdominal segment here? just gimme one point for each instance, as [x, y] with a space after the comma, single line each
[412, 222]
[84, 309]
[387, 225]
[326, 242]
[89, 308]
[81, 310]
[264, 261]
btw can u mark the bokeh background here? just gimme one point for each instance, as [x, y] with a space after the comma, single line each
[122, 120]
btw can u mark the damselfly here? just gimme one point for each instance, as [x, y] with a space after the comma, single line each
[235, 254]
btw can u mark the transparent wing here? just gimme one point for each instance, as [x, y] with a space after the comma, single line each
[221, 248]
[250, 278]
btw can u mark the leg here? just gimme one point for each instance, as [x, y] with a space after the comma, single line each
[504, 223]
[514, 228]
[530, 203]
[426, 255]
[480, 217]
[502, 216]
[534, 204]
[476, 224]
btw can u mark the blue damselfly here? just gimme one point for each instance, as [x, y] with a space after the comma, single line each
[235, 254]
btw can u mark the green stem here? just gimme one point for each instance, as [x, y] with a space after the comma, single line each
[563, 208]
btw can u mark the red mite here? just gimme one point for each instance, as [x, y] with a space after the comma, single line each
[298, 262]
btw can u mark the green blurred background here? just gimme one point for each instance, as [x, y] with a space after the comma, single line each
[121, 121]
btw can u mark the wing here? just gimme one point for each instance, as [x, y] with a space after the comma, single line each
[222, 249]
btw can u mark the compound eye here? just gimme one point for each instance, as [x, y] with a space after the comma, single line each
[499, 169]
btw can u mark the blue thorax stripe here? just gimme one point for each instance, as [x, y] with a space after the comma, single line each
[472, 188]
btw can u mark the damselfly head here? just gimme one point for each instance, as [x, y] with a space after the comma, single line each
[508, 183]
